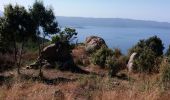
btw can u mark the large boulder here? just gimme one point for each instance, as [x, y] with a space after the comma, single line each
[58, 52]
[57, 55]
[93, 43]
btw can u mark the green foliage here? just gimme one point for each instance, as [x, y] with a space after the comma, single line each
[4, 43]
[116, 64]
[68, 35]
[44, 22]
[16, 24]
[148, 55]
[101, 56]
[43, 18]
[16, 28]
[145, 62]
[155, 43]
[107, 58]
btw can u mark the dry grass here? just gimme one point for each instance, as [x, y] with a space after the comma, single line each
[84, 87]
[58, 85]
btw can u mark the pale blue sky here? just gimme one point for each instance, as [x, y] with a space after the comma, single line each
[158, 10]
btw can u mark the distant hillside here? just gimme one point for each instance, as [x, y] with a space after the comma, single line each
[81, 22]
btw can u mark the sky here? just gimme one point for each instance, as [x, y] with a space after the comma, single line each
[157, 10]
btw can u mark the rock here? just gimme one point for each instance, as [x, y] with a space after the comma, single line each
[130, 62]
[58, 52]
[57, 55]
[94, 43]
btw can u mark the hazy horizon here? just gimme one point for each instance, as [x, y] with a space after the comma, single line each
[154, 10]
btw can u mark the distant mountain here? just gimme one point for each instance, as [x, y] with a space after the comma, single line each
[81, 22]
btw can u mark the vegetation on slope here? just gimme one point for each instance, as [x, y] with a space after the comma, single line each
[20, 45]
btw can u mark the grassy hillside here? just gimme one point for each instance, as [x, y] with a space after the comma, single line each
[65, 85]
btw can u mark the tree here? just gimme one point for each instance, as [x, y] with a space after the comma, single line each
[17, 28]
[45, 22]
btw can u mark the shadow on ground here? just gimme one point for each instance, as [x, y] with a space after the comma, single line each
[46, 80]
[5, 79]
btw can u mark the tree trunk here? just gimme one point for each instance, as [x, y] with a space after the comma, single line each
[40, 69]
[20, 58]
[15, 52]
[43, 42]
[40, 60]
[39, 47]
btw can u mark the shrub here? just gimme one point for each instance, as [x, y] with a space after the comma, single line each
[149, 53]
[101, 55]
[145, 61]
[116, 64]
[156, 45]
[107, 58]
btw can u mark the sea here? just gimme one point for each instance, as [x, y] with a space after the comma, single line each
[122, 37]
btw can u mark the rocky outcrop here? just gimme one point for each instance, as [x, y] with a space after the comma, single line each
[130, 62]
[94, 43]
[58, 52]
[57, 55]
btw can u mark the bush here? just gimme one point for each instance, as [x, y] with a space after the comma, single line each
[116, 65]
[149, 54]
[101, 55]
[156, 45]
[107, 58]
[145, 61]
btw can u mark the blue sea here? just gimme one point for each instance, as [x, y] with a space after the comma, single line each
[122, 37]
